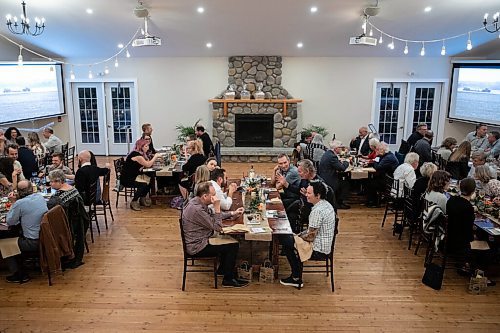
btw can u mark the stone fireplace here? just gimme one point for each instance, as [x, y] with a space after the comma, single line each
[270, 125]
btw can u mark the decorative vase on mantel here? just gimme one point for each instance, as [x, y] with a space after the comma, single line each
[245, 94]
[259, 94]
[230, 92]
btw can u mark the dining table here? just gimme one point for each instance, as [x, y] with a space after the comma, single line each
[277, 221]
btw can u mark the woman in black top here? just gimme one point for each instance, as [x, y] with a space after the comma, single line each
[197, 158]
[135, 162]
[420, 186]
[458, 164]
[461, 218]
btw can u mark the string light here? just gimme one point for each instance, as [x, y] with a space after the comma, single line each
[71, 74]
[90, 73]
[20, 57]
[127, 54]
[106, 70]
[469, 43]
[116, 63]
[374, 29]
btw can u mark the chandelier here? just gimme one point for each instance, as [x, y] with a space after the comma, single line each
[24, 26]
[494, 24]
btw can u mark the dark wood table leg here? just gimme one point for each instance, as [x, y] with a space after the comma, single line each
[274, 255]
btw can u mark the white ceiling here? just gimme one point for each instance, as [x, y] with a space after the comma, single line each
[257, 27]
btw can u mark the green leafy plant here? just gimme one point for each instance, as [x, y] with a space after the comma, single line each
[186, 131]
[314, 128]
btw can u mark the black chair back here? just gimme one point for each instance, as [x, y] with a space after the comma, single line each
[391, 187]
[69, 158]
[105, 187]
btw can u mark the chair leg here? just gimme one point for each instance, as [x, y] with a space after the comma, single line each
[215, 272]
[418, 244]
[117, 196]
[105, 215]
[332, 281]
[301, 271]
[385, 213]
[327, 266]
[184, 275]
[91, 230]
[86, 245]
[49, 276]
[410, 236]
[111, 212]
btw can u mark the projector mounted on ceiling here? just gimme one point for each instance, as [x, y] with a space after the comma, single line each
[363, 40]
[147, 39]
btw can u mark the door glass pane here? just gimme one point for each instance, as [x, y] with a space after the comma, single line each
[423, 107]
[120, 101]
[389, 114]
[87, 102]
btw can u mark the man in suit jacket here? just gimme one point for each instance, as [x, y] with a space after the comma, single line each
[87, 174]
[26, 158]
[329, 168]
[361, 143]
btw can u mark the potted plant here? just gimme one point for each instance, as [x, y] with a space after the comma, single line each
[306, 131]
[184, 132]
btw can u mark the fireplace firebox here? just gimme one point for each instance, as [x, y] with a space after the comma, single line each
[254, 130]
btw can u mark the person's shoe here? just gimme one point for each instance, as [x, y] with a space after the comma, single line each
[17, 278]
[119, 188]
[290, 281]
[147, 202]
[491, 283]
[135, 205]
[234, 283]
[344, 206]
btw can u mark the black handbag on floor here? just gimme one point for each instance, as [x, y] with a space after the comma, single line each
[433, 276]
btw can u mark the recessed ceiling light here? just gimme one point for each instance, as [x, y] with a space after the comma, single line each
[120, 46]
[314, 9]
[201, 10]
[209, 45]
[427, 9]
[300, 45]
[89, 11]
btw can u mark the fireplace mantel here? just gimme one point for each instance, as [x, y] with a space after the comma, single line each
[260, 101]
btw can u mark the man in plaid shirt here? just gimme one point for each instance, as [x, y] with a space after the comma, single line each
[320, 232]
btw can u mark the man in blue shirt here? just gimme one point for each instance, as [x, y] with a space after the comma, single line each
[27, 209]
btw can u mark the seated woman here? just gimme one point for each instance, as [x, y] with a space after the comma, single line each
[68, 197]
[486, 182]
[131, 174]
[211, 164]
[316, 149]
[150, 153]
[405, 173]
[374, 143]
[461, 218]
[297, 154]
[438, 184]
[197, 158]
[8, 176]
[36, 146]
[458, 163]
[447, 148]
[420, 186]
[201, 175]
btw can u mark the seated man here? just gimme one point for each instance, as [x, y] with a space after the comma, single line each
[27, 209]
[291, 174]
[493, 147]
[199, 224]
[384, 164]
[329, 168]
[320, 233]
[218, 180]
[58, 164]
[53, 144]
[423, 148]
[13, 152]
[27, 158]
[479, 158]
[361, 142]
[88, 174]
[478, 138]
[419, 133]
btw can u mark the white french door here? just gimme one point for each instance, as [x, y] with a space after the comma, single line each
[401, 106]
[390, 112]
[104, 117]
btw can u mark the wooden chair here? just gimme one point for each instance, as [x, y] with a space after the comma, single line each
[69, 158]
[64, 148]
[328, 261]
[192, 259]
[105, 203]
[422, 236]
[127, 191]
[411, 213]
[92, 210]
[393, 201]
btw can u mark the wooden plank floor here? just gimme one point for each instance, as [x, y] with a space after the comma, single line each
[132, 277]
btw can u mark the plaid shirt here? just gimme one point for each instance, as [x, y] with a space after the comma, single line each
[322, 217]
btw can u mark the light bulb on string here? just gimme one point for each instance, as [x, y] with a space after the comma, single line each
[469, 43]
[106, 70]
[20, 57]
[116, 62]
[443, 49]
[391, 44]
[381, 39]
[71, 74]
[127, 54]
[422, 51]
[90, 73]
[406, 48]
